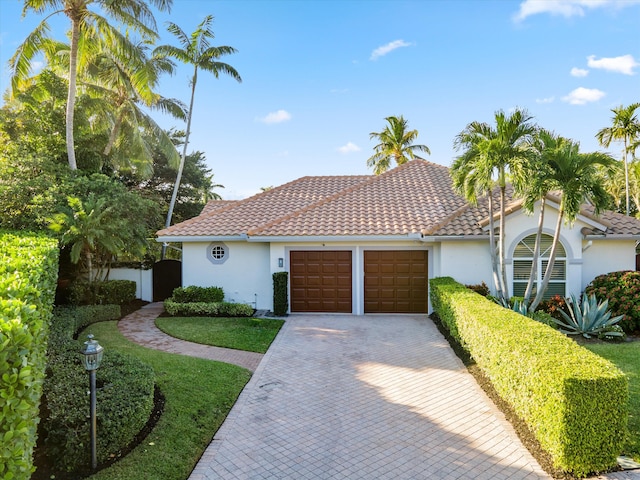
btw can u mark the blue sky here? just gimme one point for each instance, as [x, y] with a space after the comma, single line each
[320, 76]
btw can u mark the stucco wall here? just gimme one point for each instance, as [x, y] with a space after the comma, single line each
[468, 262]
[245, 276]
[604, 256]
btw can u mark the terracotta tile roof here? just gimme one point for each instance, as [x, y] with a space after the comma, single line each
[407, 199]
[416, 197]
[212, 205]
[239, 217]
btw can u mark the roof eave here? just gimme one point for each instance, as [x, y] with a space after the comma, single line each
[201, 238]
[610, 236]
[439, 238]
[334, 238]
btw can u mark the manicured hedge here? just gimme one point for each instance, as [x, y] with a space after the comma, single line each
[109, 292]
[195, 294]
[204, 309]
[28, 276]
[574, 401]
[280, 297]
[124, 397]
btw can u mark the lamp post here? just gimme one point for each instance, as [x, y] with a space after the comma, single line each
[91, 358]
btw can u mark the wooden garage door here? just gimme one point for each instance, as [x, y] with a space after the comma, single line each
[320, 281]
[395, 281]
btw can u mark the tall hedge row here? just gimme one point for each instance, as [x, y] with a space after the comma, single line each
[575, 402]
[28, 276]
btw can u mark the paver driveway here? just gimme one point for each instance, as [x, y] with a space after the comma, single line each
[364, 397]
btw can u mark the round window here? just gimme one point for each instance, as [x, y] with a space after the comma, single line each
[217, 253]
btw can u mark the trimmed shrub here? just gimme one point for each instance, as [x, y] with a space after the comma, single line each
[28, 275]
[202, 309]
[280, 296]
[622, 290]
[575, 402]
[195, 294]
[109, 292]
[124, 397]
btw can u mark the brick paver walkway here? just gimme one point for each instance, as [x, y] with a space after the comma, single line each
[139, 327]
[354, 397]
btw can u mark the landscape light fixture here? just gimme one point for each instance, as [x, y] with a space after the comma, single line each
[91, 358]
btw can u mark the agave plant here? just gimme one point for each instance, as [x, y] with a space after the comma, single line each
[588, 317]
[520, 306]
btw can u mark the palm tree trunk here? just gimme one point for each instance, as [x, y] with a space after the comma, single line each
[176, 186]
[71, 94]
[626, 174]
[552, 260]
[503, 267]
[536, 254]
[492, 246]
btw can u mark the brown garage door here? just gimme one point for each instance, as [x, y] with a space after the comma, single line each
[320, 281]
[395, 281]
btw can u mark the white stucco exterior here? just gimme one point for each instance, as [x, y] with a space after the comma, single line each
[245, 276]
[246, 273]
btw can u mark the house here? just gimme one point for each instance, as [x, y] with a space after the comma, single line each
[369, 244]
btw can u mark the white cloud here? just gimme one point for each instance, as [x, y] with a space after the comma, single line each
[567, 8]
[389, 47]
[276, 117]
[623, 64]
[545, 100]
[348, 148]
[582, 96]
[579, 72]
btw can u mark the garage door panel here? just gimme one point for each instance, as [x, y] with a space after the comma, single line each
[396, 281]
[322, 281]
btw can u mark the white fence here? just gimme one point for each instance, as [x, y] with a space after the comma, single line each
[143, 279]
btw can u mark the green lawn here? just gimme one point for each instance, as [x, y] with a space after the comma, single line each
[198, 393]
[627, 357]
[250, 334]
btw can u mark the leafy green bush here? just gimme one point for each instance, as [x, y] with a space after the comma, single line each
[280, 296]
[124, 397]
[203, 309]
[574, 401]
[109, 292]
[195, 294]
[227, 309]
[28, 273]
[622, 290]
[588, 318]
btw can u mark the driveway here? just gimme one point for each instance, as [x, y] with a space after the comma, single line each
[364, 397]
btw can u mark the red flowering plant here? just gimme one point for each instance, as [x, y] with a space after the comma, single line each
[622, 290]
[554, 305]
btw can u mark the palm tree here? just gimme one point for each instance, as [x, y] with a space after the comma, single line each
[196, 50]
[122, 87]
[117, 85]
[534, 184]
[495, 151]
[576, 176]
[625, 127]
[396, 143]
[87, 229]
[133, 13]
[472, 175]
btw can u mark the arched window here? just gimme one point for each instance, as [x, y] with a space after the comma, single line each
[522, 259]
